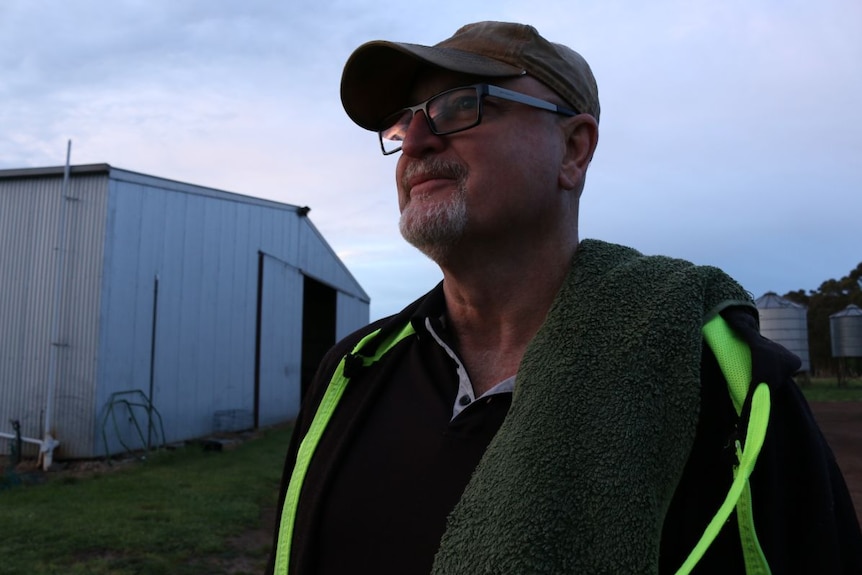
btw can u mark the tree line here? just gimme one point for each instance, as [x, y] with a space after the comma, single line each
[832, 296]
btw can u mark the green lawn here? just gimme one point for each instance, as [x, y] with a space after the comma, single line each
[173, 514]
[826, 389]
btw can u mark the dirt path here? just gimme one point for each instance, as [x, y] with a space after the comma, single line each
[841, 423]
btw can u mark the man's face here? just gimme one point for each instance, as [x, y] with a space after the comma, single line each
[487, 185]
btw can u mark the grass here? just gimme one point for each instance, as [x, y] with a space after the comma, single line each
[826, 389]
[175, 513]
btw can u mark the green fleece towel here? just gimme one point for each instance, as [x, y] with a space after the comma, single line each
[581, 473]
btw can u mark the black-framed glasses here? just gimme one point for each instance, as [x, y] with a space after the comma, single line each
[453, 111]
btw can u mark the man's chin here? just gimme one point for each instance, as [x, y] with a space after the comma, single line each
[436, 229]
[436, 243]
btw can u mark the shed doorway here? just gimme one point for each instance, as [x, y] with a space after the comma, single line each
[318, 327]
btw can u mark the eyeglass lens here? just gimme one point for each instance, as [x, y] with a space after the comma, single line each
[447, 112]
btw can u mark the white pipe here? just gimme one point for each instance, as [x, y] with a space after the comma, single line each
[24, 439]
[49, 442]
[46, 452]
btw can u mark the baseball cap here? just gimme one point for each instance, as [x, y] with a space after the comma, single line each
[378, 76]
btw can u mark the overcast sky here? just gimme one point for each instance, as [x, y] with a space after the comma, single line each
[731, 131]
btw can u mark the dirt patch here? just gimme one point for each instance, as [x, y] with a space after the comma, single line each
[841, 423]
[252, 546]
[30, 471]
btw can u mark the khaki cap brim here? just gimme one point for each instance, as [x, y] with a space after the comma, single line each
[379, 75]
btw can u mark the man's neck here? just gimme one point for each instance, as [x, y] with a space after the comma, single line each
[495, 308]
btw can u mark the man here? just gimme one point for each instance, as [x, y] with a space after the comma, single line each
[550, 407]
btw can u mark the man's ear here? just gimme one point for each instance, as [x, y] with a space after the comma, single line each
[581, 135]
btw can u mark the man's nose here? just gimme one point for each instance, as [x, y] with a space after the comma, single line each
[419, 138]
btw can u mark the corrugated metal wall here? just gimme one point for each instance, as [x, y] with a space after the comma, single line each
[785, 322]
[281, 341]
[204, 246]
[31, 212]
[845, 331]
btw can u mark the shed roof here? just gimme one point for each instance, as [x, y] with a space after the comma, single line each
[138, 177]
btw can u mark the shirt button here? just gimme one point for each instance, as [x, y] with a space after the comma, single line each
[465, 400]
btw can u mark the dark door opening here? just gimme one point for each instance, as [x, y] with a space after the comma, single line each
[258, 326]
[318, 327]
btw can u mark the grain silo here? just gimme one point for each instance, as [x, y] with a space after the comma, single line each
[127, 296]
[845, 329]
[785, 322]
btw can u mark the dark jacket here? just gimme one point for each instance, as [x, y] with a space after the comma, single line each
[804, 517]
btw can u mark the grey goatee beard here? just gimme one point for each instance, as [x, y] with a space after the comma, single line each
[435, 228]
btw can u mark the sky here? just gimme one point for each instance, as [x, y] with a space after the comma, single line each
[731, 132]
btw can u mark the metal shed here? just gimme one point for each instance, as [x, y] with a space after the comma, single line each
[131, 301]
